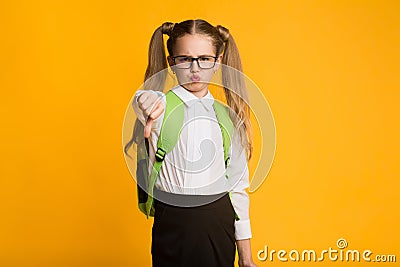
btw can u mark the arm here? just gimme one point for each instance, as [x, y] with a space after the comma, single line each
[239, 177]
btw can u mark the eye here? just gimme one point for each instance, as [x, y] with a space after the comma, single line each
[205, 59]
[184, 59]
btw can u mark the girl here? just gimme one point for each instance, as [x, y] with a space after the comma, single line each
[202, 234]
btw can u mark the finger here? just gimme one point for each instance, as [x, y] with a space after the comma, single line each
[159, 109]
[142, 98]
[152, 107]
[153, 116]
[149, 101]
[145, 100]
[147, 127]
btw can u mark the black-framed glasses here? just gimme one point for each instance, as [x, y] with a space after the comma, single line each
[185, 62]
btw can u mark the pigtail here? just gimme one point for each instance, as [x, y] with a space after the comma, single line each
[155, 76]
[157, 63]
[235, 89]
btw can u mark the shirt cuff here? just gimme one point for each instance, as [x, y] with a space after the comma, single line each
[242, 229]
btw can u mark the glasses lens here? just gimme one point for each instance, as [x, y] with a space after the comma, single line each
[206, 62]
[183, 62]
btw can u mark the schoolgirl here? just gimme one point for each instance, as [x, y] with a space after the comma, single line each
[200, 216]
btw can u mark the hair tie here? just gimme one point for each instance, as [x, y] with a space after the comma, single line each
[167, 28]
[223, 32]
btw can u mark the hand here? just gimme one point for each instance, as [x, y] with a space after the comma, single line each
[244, 251]
[247, 264]
[152, 107]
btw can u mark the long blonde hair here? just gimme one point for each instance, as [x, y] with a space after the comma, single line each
[232, 78]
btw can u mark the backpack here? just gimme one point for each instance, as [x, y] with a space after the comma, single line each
[168, 138]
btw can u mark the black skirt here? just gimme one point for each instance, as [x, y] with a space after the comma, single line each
[194, 236]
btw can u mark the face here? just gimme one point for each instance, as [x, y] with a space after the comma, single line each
[194, 79]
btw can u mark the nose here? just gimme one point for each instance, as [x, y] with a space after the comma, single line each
[195, 65]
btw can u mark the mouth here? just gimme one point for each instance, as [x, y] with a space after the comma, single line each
[195, 78]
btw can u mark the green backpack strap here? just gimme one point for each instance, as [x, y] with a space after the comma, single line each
[226, 125]
[169, 135]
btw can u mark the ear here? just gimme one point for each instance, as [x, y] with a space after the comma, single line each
[217, 63]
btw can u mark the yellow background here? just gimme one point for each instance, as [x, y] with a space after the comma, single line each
[329, 70]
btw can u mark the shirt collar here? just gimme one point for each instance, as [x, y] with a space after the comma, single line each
[189, 99]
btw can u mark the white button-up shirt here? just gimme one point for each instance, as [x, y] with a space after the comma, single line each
[196, 164]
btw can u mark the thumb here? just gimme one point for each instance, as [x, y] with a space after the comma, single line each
[155, 113]
[147, 127]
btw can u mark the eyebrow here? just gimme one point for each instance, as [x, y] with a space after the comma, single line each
[198, 56]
